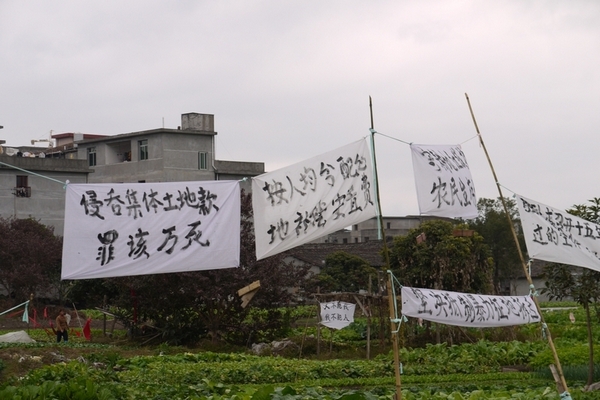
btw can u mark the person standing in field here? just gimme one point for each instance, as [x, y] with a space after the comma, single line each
[62, 327]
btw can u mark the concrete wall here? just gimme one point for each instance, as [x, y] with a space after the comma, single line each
[47, 201]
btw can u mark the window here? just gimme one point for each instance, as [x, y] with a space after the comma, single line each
[366, 239]
[389, 225]
[202, 160]
[143, 148]
[355, 227]
[345, 240]
[22, 189]
[91, 156]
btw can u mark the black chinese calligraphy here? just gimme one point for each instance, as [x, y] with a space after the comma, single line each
[152, 202]
[331, 192]
[558, 229]
[480, 310]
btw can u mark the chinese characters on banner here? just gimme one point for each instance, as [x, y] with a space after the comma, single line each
[557, 236]
[126, 229]
[444, 184]
[470, 310]
[307, 200]
[337, 314]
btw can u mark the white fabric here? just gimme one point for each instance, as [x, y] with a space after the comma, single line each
[443, 179]
[557, 236]
[337, 314]
[310, 199]
[16, 337]
[471, 310]
[126, 229]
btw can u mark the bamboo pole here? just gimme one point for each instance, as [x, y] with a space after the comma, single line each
[386, 254]
[559, 370]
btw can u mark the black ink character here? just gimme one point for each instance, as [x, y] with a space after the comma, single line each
[195, 236]
[138, 248]
[114, 202]
[106, 251]
[170, 236]
[91, 206]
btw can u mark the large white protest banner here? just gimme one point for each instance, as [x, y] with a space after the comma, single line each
[126, 229]
[470, 310]
[312, 198]
[337, 314]
[443, 179]
[557, 236]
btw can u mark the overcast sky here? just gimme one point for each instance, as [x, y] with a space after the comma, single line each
[288, 80]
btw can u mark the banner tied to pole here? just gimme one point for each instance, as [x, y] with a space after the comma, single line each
[122, 229]
[337, 314]
[557, 236]
[312, 198]
[470, 310]
[443, 180]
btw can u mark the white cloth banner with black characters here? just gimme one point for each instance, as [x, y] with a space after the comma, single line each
[337, 314]
[557, 236]
[443, 179]
[307, 200]
[126, 229]
[470, 310]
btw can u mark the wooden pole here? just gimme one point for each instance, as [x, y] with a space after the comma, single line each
[386, 253]
[391, 301]
[559, 370]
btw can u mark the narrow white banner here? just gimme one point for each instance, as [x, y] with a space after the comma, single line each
[337, 314]
[465, 309]
[126, 229]
[310, 199]
[557, 236]
[443, 179]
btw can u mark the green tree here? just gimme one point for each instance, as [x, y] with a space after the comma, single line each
[580, 284]
[30, 258]
[182, 307]
[439, 255]
[495, 228]
[345, 272]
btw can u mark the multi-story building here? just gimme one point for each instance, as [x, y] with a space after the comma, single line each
[369, 230]
[33, 178]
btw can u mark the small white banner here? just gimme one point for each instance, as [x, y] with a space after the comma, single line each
[337, 314]
[557, 236]
[126, 229]
[443, 179]
[312, 198]
[465, 309]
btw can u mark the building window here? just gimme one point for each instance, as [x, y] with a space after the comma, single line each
[91, 156]
[203, 160]
[366, 239]
[345, 241]
[143, 148]
[22, 189]
[355, 240]
[389, 225]
[355, 227]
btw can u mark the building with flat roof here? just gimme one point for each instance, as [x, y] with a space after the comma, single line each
[33, 177]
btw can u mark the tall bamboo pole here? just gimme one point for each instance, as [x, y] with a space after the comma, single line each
[523, 263]
[386, 253]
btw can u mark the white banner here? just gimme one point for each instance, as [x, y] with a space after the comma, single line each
[557, 236]
[310, 199]
[337, 314]
[444, 184]
[126, 229]
[470, 310]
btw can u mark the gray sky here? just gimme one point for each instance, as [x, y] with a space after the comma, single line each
[288, 80]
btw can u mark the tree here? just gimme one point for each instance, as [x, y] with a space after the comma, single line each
[432, 256]
[580, 284]
[30, 258]
[185, 306]
[494, 226]
[345, 272]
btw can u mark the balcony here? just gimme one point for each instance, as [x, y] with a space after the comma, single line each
[23, 191]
